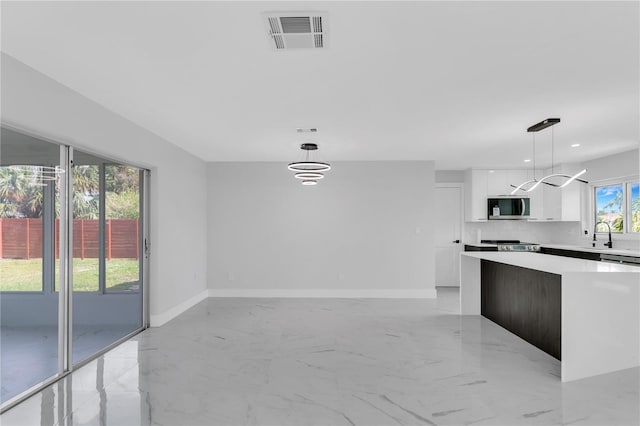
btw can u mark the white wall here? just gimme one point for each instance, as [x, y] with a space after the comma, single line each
[449, 176]
[361, 232]
[624, 164]
[32, 101]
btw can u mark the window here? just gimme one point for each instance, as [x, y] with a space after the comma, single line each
[634, 203]
[122, 227]
[617, 205]
[609, 208]
[106, 227]
[86, 225]
[21, 230]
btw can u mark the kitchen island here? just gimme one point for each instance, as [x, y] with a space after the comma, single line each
[583, 312]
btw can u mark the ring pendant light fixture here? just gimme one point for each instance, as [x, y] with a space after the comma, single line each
[532, 184]
[309, 171]
[39, 174]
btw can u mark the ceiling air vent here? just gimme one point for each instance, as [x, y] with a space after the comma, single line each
[297, 30]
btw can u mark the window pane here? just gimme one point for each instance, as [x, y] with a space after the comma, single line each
[122, 228]
[86, 229]
[100, 319]
[21, 234]
[28, 308]
[609, 208]
[635, 207]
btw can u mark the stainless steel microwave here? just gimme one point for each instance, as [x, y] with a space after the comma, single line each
[505, 208]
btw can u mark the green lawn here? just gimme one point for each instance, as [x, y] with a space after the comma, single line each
[26, 275]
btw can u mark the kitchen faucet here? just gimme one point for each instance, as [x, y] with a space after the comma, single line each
[610, 243]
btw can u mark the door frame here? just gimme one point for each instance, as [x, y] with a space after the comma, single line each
[459, 185]
[65, 275]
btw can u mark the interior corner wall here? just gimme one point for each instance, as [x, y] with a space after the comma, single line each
[621, 165]
[33, 102]
[366, 230]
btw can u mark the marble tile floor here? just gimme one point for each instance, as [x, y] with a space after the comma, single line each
[329, 362]
[29, 355]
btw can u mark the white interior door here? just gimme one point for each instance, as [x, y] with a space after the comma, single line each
[448, 235]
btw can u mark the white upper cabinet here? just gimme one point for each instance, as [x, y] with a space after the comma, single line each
[502, 182]
[572, 202]
[561, 204]
[515, 178]
[536, 200]
[497, 183]
[475, 192]
[570, 205]
[552, 202]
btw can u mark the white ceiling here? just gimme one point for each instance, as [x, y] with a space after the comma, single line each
[454, 82]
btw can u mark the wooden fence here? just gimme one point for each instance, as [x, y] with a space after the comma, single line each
[22, 238]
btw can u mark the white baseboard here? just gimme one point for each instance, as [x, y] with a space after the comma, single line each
[325, 293]
[169, 314]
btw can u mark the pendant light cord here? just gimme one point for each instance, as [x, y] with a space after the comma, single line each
[552, 171]
[534, 155]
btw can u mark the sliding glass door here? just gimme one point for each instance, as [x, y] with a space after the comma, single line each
[72, 234]
[107, 295]
[29, 176]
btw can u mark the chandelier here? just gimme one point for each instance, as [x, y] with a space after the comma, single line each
[309, 172]
[532, 184]
[38, 175]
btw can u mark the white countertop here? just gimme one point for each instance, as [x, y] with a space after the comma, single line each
[601, 250]
[552, 264]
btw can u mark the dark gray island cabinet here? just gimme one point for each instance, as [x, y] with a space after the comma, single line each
[524, 301]
[584, 313]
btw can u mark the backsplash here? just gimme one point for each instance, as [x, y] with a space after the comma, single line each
[569, 233]
[531, 232]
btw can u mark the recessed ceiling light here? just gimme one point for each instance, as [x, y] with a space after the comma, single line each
[492, 171]
[527, 161]
[575, 145]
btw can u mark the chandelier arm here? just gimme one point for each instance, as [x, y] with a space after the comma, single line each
[574, 177]
[50, 170]
[535, 185]
[569, 179]
[309, 166]
[545, 178]
[519, 187]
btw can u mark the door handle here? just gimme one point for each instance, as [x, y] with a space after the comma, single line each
[456, 241]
